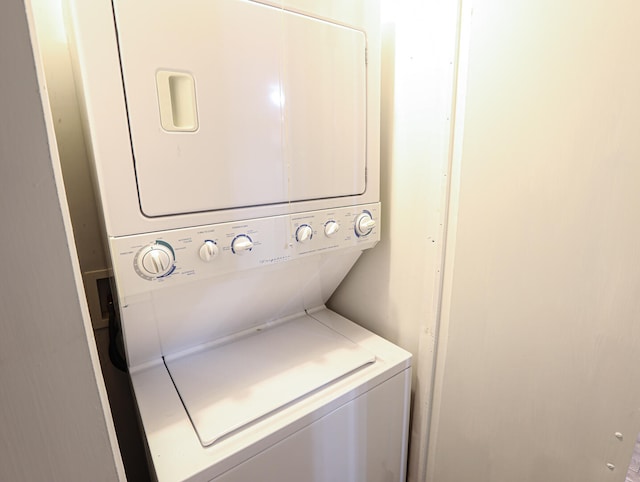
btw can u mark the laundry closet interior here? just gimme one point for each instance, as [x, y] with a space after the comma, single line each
[388, 239]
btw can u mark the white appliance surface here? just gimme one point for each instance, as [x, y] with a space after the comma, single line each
[351, 429]
[227, 387]
[265, 105]
[203, 300]
[201, 112]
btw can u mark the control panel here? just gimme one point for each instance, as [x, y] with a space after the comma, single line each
[146, 261]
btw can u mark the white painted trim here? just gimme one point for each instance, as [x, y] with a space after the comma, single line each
[447, 16]
[465, 23]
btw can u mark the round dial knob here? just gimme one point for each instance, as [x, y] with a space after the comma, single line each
[208, 250]
[364, 224]
[155, 261]
[331, 228]
[304, 233]
[241, 244]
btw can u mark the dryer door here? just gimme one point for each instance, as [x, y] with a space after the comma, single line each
[233, 103]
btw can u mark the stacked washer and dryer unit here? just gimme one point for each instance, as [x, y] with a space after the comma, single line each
[236, 153]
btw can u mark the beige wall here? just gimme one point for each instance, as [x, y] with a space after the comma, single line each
[49, 22]
[540, 348]
[54, 416]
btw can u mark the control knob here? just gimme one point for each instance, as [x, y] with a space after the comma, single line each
[241, 244]
[331, 228]
[364, 223]
[155, 260]
[208, 250]
[304, 233]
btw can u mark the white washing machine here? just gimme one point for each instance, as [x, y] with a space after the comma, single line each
[236, 153]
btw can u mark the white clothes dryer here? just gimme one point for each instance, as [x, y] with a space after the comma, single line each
[235, 150]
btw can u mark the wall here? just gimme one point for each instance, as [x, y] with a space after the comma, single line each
[49, 23]
[54, 415]
[539, 353]
[48, 16]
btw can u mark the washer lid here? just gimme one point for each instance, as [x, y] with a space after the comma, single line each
[230, 386]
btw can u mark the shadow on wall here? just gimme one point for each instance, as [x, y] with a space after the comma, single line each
[369, 277]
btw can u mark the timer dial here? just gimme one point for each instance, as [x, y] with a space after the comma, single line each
[155, 261]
